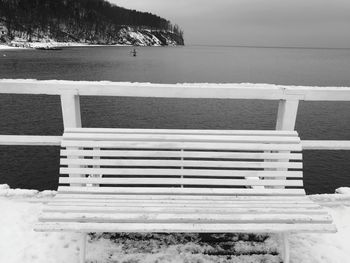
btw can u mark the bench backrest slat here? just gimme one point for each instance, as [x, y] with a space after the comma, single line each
[183, 154]
[178, 172]
[164, 145]
[181, 191]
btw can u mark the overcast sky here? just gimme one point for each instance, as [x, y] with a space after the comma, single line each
[312, 23]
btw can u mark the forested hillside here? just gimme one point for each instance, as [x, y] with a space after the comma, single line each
[93, 21]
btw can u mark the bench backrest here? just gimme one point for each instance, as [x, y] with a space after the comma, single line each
[142, 161]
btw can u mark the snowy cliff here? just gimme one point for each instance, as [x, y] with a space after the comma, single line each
[81, 21]
[125, 36]
[146, 37]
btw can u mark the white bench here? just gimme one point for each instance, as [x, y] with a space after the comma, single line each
[138, 180]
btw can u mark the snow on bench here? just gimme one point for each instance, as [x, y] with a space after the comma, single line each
[141, 180]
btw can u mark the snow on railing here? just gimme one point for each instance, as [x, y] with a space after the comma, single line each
[69, 91]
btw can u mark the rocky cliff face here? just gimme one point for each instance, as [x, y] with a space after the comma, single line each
[146, 37]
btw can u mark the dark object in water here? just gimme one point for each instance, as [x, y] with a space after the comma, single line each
[134, 52]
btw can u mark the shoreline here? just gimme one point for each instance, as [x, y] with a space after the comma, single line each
[35, 45]
[7, 47]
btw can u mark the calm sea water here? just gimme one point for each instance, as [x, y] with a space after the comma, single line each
[37, 167]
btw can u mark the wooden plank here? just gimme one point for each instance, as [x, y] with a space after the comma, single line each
[70, 104]
[70, 110]
[109, 203]
[193, 198]
[182, 191]
[30, 140]
[190, 210]
[75, 167]
[177, 181]
[180, 138]
[325, 145]
[199, 90]
[184, 218]
[183, 154]
[287, 114]
[184, 145]
[180, 163]
[320, 94]
[25, 86]
[34, 140]
[120, 89]
[247, 201]
[184, 172]
[181, 131]
[182, 198]
[181, 228]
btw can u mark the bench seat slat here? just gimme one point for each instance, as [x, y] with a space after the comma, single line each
[178, 181]
[179, 163]
[178, 131]
[178, 218]
[182, 154]
[104, 198]
[179, 172]
[181, 198]
[191, 210]
[179, 205]
[184, 145]
[183, 227]
[181, 191]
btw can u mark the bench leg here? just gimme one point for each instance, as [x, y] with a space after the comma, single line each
[83, 248]
[285, 242]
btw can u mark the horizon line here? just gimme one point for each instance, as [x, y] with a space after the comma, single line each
[262, 46]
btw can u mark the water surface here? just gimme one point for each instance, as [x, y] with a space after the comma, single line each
[37, 167]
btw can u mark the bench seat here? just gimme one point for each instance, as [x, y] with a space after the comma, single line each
[139, 180]
[116, 213]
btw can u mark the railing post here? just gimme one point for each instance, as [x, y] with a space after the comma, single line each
[71, 110]
[286, 119]
[287, 114]
[71, 119]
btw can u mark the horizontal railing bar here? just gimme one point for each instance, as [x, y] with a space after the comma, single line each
[216, 91]
[35, 140]
[325, 145]
[30, 140]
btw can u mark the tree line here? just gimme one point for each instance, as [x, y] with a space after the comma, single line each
[76, 19]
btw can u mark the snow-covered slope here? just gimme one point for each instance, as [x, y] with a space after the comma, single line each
[145, 37]
[124, 36]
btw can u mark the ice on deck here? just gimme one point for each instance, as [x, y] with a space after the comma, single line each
[20, 244]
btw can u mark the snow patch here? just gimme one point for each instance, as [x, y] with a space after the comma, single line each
[137, 38]
[6, 191]
[6, 47]
[343, 190]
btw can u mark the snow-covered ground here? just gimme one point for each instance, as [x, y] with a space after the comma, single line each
[20, 244]
[6, 47]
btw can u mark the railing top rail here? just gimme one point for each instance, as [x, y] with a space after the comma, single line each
[39, 140]
[186, 90]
